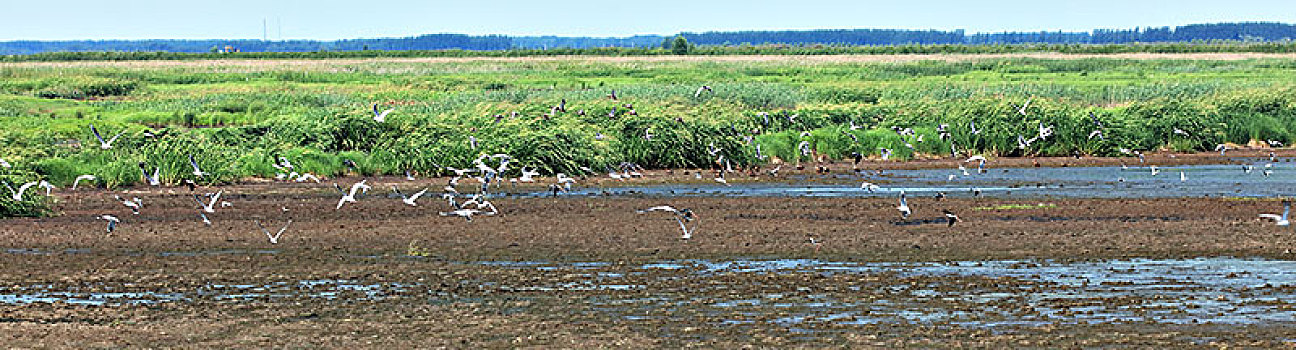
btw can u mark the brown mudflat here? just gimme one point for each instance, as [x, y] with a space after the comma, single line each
[344, 278]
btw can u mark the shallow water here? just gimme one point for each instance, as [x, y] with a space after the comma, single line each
[1208, 290]
[740, 293]
[1072, 182]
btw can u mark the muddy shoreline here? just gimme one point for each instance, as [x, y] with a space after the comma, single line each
[382, 274]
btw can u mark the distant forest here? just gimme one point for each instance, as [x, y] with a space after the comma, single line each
[1247, 32]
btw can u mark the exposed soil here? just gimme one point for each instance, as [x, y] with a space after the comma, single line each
[445, 298]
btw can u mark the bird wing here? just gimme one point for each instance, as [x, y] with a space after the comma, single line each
[1273, 217]
[194, 164]
[356, 187]
[1286, 209]
[398, 192]
[216, 198]
[418, 194]
[660, 208]
[281, 230]
[263, 229]
[96, 133]
[24, 188]
[114, 138]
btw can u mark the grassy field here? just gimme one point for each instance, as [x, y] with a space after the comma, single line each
[235, 116]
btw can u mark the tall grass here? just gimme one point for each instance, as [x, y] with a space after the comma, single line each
[236, 120]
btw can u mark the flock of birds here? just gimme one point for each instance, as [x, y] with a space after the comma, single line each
[492, 174]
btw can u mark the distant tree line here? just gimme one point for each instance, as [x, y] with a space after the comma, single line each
[1243, 32]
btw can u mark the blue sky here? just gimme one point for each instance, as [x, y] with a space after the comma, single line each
[328, 19]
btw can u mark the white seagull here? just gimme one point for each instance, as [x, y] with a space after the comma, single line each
[869, 186]
[1022, 110]
[1280, 220]
[681, 216]
[349, 197]
[153, 180]
[702, 89]
[210, 206]
[18, 195]
[47, 186]
[112, 222]
[380, 116]
[467, 214]
[274, 239]
[82, 177]
[411, 200]
[197, 172]
[134, 204]
[904, 206]
[105, 144]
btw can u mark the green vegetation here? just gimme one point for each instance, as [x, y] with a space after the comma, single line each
[236, 117]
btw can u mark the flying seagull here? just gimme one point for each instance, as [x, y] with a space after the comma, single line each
[82, 177]
[105, 144]
[134, 204]
[153, 179]
[869, 186]
[210, 206]
[349, 197]
[197, 172]
[702, 89]
[18, 195]
[112, 222]
[1280, 220]
[274, 239]
[410, 200]
[1022, 110]
[681, 216]
[380, 116]
[950, 217]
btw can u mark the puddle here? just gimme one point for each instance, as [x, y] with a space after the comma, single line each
[1018, 183]
[104, 296]
[219, 252]
[1220, 290]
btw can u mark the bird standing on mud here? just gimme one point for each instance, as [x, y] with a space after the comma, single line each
[904, 207]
